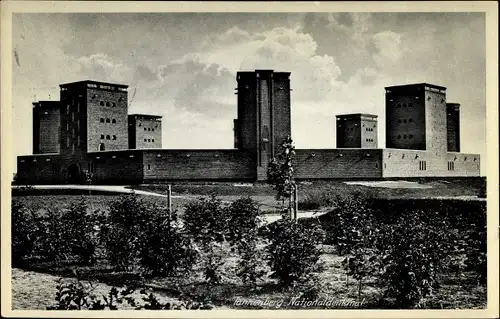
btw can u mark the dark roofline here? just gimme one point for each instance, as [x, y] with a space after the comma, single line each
[416, 85]
[262, 70]
[146, 115]
[47, 103]
[356, 114]
[94, 82]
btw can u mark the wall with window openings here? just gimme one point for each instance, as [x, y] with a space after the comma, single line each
[144, 131]
[107, 119]
[405, 118]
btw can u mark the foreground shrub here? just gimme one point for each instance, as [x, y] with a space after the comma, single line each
[205, 220]
[350, 223]
[292, 250]
[411, 253]
[79, 231]
[74, 294]
[123, 229]
[23, 233]
[164, 247]
[140, 234]
[244, 219]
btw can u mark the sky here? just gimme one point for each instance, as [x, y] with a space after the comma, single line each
[183, 67]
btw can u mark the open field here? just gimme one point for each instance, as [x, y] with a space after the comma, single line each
[34, 285]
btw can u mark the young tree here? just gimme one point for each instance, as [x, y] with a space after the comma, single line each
[280, 173]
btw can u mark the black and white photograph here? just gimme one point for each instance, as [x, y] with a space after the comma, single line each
[313, 157]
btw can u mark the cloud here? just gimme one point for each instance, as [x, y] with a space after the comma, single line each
[387, 48]
[102, 67]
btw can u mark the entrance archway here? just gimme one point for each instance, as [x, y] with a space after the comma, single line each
[74, 174]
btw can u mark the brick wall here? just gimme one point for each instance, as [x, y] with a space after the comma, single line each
[146, 131]
[453, 127]
[46, 125]
[198, 165]
[348, 132]
[247, 111]
[338, 163]
[115, 108]
[369, 130]
[405, 118]
[414, 163]
[435, 113]
[116, 167]
[73, 130]
[281, 109]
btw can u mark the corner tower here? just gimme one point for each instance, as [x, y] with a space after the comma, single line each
[264, 118]
[357, 131]
[93, 117]
[416, 117]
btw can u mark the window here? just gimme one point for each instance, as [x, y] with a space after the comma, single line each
[107, 104]
[451, 166]
[108, 137]
[101, 103]
[145, 129]
[404, 104]
[145, 140]
[399, 105]
[410, 121]
[102, 136]
[152, 129]
[410, 136]
[149, 166]
[152, 140]
[102, 120]
[422, 165]
[149, 140]
[113, 121]
[404, 121]
[113, 104]
[404, 136]
[114, 137]
[149, 129]
[410, 104]
[399, 137]
[399, 120]
[108, 121]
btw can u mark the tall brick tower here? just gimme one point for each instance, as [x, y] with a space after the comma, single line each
[453, 126]
[357, 131]
[46, 126]
[93, 117]
[416, 117]
[264, 119]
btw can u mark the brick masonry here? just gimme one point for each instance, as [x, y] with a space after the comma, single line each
[91, 111]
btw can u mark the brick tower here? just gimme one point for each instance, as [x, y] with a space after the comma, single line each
[263, 115]
[416, 117]
[357, 131]
[93, 117]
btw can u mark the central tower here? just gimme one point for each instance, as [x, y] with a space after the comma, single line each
[264, 119]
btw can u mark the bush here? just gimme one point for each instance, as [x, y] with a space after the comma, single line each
[138, 233]
[23, 233]
[165, 248]
[123, 229]
[78, 231]
[244, 218]
[411, 253]
[292, 250]
[350, 224]
[205, 220]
